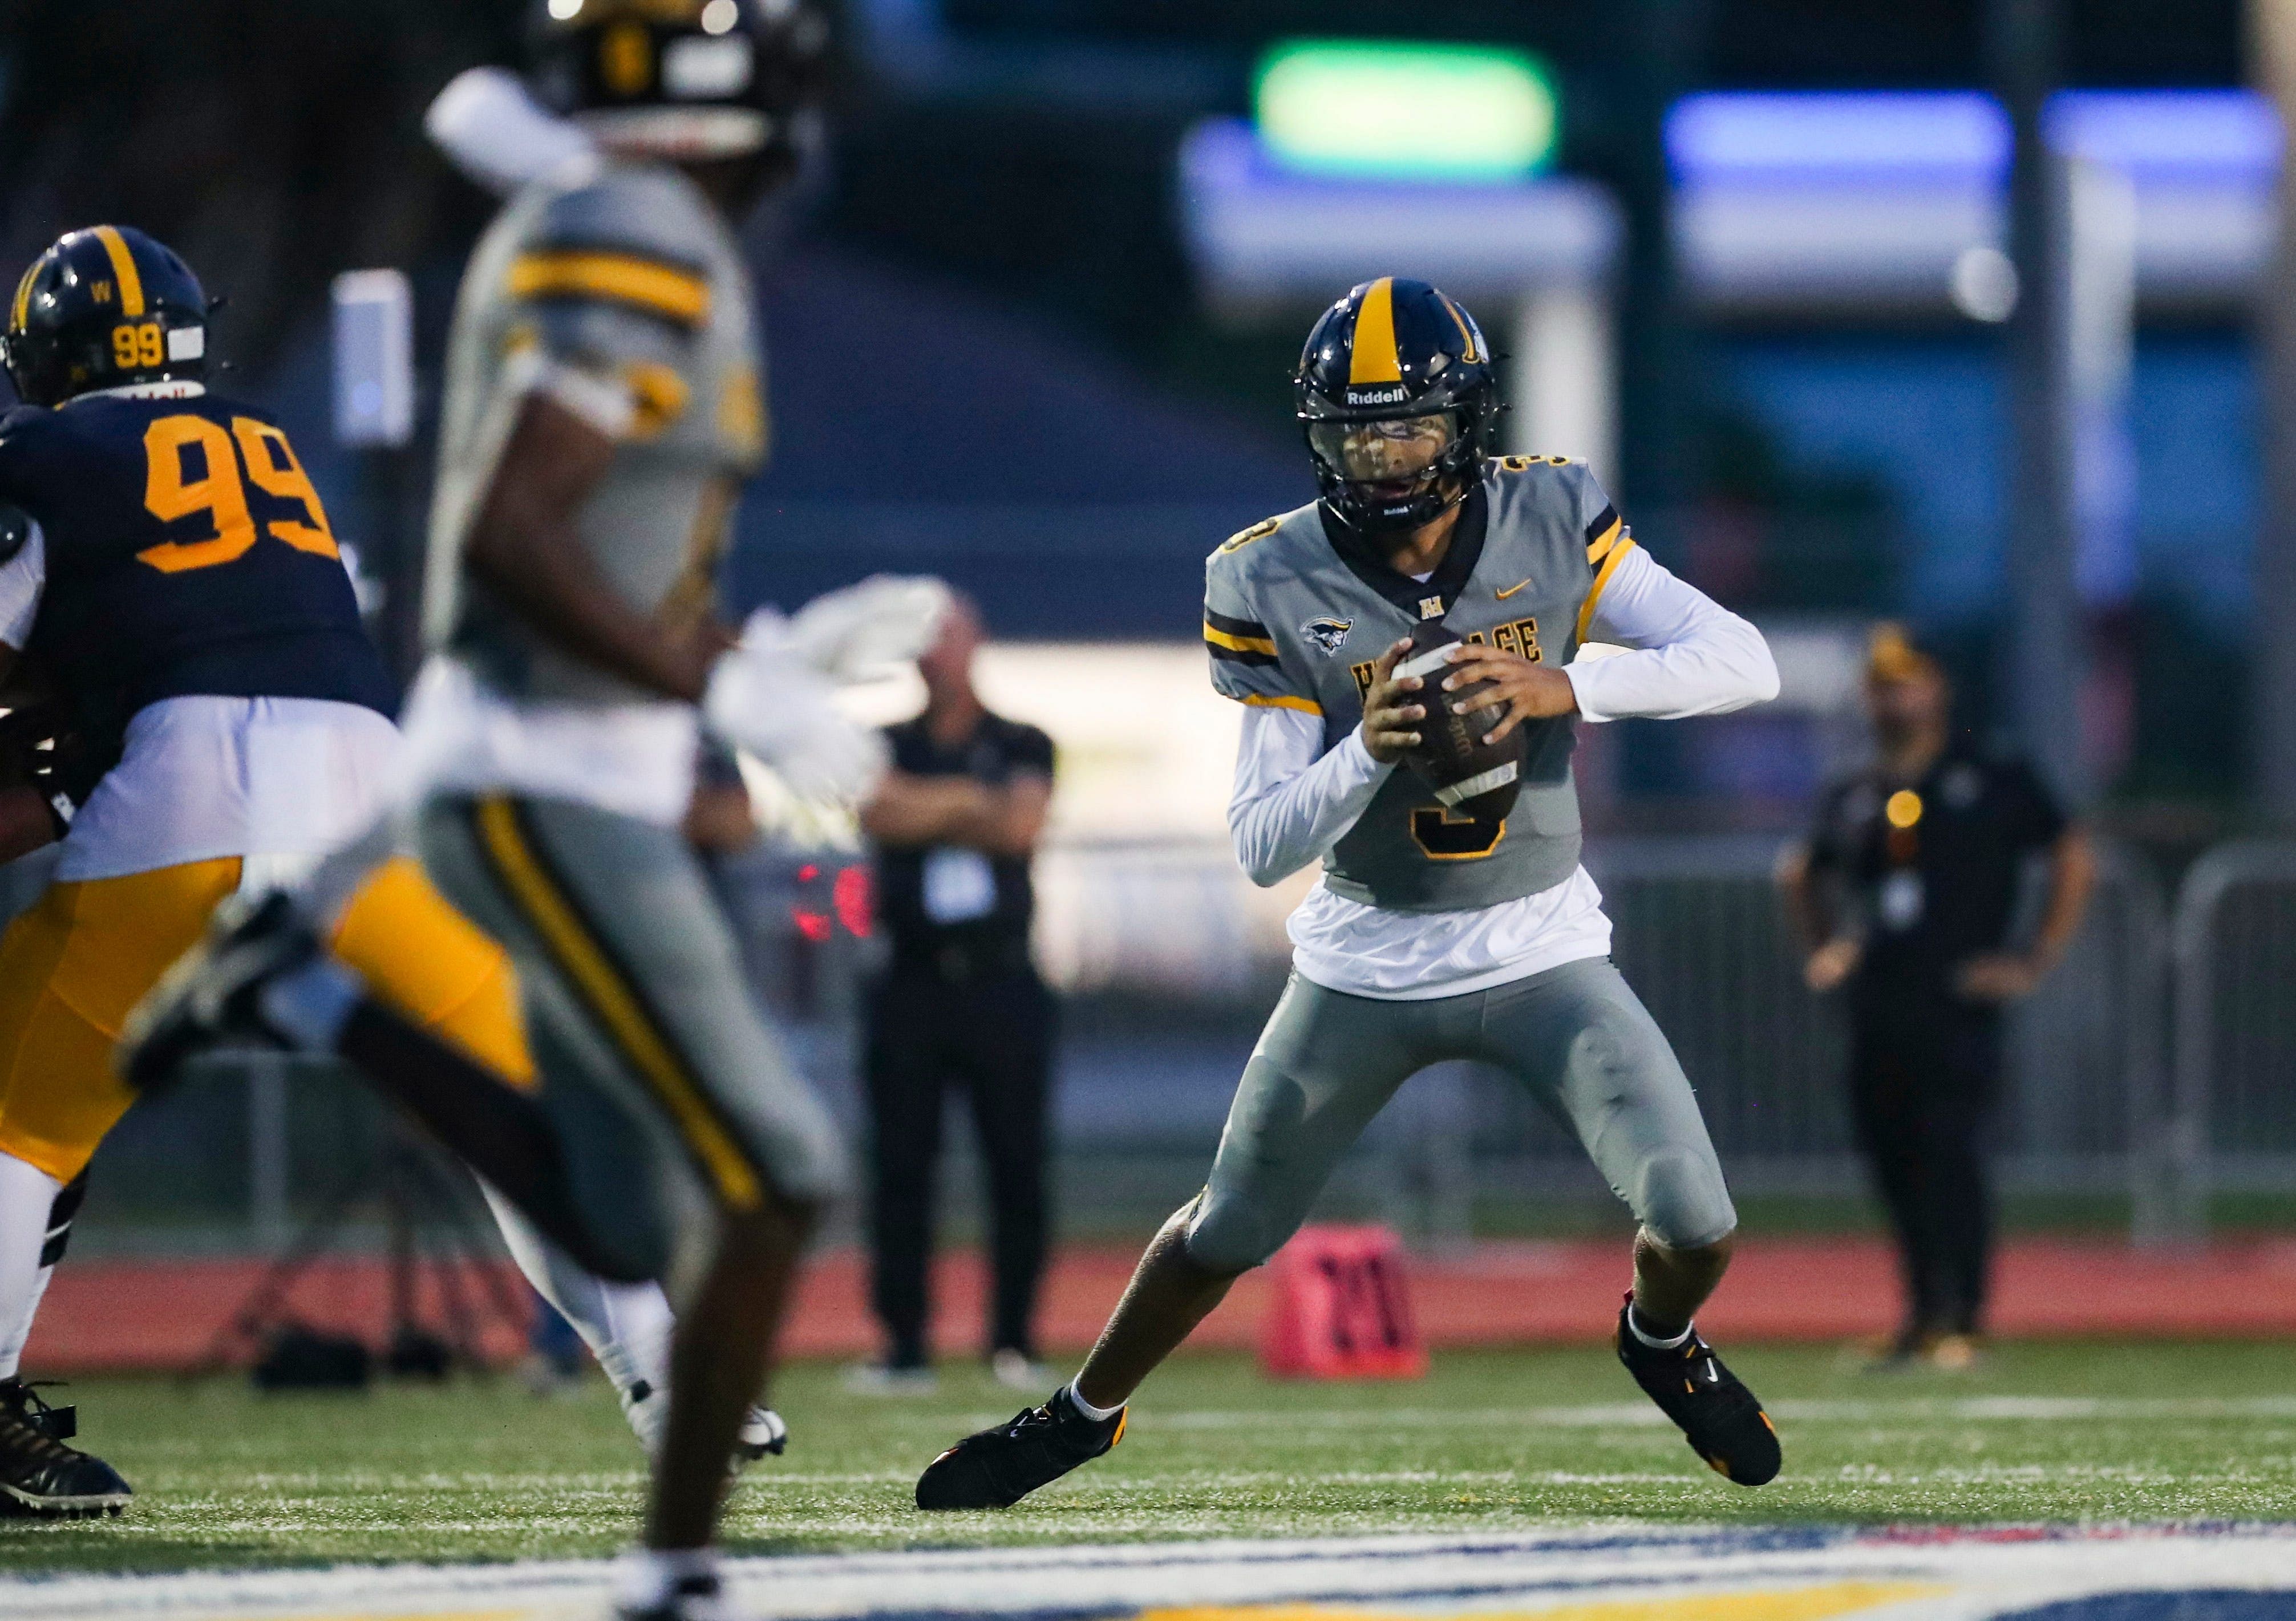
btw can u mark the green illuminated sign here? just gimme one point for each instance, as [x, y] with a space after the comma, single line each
[1394, 110]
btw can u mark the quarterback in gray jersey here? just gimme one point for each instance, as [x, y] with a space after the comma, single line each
[1446, 927]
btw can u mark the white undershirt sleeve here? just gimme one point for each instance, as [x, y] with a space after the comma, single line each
[1691, 656]
[22, 578]
[1293, 801]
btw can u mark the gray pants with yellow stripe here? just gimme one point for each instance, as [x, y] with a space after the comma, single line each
[669, 1090]
[1576, 1036]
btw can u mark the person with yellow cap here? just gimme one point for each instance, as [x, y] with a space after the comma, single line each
[1906, 894]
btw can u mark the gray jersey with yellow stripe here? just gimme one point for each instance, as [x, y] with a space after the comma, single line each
[1296, 611]
[621, 293]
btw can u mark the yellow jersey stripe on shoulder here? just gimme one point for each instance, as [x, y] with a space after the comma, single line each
[123, 269]
[1602, 578]
[623, 278]
[1600, 546]
[1241, 644]
[1282, 700]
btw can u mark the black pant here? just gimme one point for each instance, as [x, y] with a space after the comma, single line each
[1923, 1083]
[992, 1036]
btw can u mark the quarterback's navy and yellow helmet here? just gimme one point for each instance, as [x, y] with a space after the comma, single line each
[1398, 398]
[103, 309]
[684, 79]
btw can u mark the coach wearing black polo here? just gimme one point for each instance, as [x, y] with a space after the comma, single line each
[959, 1006]
[1906, 894]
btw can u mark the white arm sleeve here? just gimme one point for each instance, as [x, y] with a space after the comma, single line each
[1693, 656]
[1290, 807]
[492, 130]
[22, 578]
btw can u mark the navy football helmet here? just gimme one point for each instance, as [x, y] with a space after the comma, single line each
[1398, 400]
[104, 307]
[684, 79]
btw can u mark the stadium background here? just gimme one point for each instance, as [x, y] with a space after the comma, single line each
[999, 353]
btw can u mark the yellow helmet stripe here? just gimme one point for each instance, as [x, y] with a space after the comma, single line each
[23, 311]
[1465, 331]
[1376, 358]
[123, 266]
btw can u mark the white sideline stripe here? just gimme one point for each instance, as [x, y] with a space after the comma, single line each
[1979, 1576]
[1640, 1415]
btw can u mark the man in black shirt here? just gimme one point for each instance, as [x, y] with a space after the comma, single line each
[960, 1003]
[1905, 893]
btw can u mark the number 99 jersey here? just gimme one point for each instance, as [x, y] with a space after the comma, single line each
[185, 553]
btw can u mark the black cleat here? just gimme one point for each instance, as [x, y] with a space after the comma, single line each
[998, 1467]
[1723, 1419]
[40, 1476]
[19, 1400]
[209, 999]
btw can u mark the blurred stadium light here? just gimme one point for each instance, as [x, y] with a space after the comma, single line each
[1791, 201]
[1352, 108]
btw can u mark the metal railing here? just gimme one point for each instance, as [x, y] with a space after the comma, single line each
[2230, 1120]
[2112, 1083]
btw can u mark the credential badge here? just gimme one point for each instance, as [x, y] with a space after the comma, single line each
[1330, 635]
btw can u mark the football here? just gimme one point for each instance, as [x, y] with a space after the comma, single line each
[1467, 773]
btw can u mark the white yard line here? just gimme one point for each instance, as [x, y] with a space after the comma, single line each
[1639, 1415]
[1953, 1577]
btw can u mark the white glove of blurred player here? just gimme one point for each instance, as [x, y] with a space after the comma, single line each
[765, 697]
[489, 127]
[865, 631]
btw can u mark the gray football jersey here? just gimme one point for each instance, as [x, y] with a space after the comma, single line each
[622, 294]
[1292, 619]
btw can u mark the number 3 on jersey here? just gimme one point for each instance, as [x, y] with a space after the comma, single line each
[221, 491]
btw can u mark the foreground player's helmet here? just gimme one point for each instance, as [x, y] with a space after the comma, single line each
[103, 309]
[684, 79]
[1398, 400]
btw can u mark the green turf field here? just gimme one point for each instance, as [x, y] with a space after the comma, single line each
[1491, 1440]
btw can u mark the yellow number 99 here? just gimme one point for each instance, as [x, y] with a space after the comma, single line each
[139, 347]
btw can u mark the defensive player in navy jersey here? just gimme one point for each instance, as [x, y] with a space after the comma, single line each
[170, 568]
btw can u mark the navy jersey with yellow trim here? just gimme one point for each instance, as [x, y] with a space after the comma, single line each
[186, 553]
[1295, 614]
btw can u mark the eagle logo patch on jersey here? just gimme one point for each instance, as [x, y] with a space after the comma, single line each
[1330, 635]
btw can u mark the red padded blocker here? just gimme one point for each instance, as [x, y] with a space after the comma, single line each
[1338, 1307]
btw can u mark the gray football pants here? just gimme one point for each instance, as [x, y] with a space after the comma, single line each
[1576, 1036]
[667, 1090]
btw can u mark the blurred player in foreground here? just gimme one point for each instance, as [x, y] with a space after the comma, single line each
[603, 409]
[1435, 934]
[1905, 893]
[171, 572]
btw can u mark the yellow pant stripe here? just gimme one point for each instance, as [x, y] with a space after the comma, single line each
[616, 1005]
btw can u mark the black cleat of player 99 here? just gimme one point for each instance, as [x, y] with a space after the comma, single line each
[1724, 1420]
[997, 1468]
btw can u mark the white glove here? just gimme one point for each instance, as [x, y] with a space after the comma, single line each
[497, 135]
[861, 633]
[763, 698]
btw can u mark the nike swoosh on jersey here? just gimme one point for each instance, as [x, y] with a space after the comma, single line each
[1511, 590]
